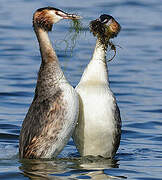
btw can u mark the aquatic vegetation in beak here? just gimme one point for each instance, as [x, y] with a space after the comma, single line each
[73, 34]
[104, 33]
[75, 29]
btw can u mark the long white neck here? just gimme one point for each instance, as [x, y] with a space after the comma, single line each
[99, 53]
[96, 71]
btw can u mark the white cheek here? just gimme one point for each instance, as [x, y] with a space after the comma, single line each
[109, 22]
[56, 18]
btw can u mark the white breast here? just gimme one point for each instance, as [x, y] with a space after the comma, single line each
[94, 133]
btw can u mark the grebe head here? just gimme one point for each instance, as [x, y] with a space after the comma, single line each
[113, 26]
[105, 27]
[44, 18]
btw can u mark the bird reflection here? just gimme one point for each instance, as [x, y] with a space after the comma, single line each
[41, 169]
[68, 168]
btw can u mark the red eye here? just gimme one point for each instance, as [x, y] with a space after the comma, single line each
[56, 13]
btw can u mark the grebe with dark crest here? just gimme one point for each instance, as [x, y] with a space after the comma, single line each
[53, 113]
[98, 130]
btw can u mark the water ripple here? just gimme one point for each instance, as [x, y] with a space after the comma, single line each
[135, 78]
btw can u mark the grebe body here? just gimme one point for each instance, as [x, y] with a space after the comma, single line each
[98, 130]
[53, 113]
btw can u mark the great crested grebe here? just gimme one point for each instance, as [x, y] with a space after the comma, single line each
[53, 113]
[98, 130]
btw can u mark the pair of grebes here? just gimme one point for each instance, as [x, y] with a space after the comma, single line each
[89, 113]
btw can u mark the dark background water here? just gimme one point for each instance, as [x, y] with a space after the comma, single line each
[135, 77]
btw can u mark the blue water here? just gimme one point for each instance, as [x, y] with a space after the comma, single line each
[135, 78]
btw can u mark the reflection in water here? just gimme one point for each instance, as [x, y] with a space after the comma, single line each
[41, 169]
[100, 175]
[135, 78]
[78, 168]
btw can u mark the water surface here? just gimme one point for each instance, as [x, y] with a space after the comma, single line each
[135, 78]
